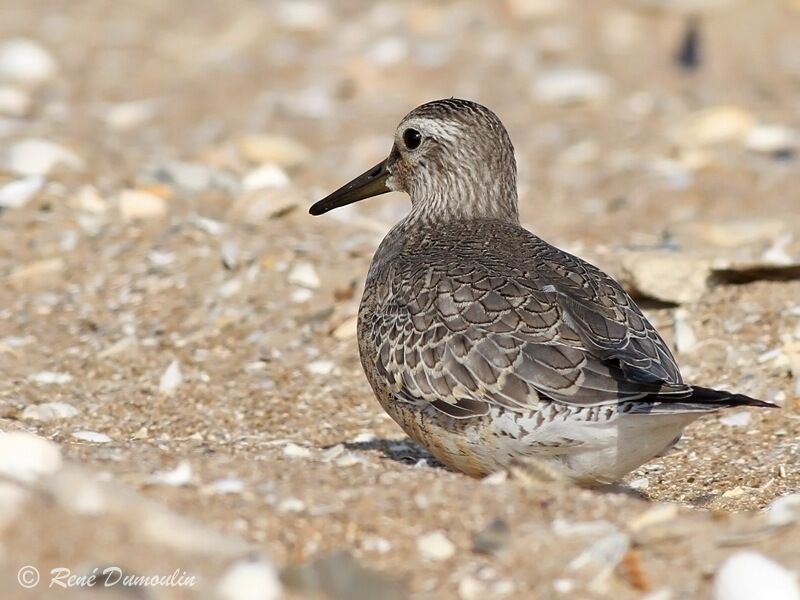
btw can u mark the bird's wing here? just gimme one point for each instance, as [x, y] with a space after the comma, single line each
[463, 339]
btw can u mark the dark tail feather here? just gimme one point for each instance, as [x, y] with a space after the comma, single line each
[707, 396]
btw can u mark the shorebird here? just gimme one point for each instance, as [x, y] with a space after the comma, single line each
[487, 345]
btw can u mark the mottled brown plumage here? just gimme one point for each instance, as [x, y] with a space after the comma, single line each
[489, 345]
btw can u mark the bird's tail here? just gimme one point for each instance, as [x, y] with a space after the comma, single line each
[720, 398]
[698, 400]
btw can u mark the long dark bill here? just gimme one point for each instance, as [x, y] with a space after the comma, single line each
[366, 185]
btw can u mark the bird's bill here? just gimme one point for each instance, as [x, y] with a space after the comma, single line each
[366, 185]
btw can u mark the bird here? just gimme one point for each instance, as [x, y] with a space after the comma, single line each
[492, 348]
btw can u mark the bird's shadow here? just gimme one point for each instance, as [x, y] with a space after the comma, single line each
[409, 453]
[404, 451]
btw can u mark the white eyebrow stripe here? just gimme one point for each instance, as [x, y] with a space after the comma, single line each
[440, 129]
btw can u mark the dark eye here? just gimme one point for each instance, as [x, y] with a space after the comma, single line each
[412, 138]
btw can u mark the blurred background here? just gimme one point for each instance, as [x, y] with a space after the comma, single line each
[177, 335]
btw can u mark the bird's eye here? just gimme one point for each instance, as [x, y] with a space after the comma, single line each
[412, 138]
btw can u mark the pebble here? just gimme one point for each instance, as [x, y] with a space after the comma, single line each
[227, 485]
[566, 86]
[435, 546]
[347, 329]
[685, 338]
[300, 295]
[715, 125]
[536, 9]
[140, 205]
[32, 156]
[642, 483]
[599, 560]
[253, 579]
[193, 177]
[279, 150]
[49, 411]
[94, 437]
[229, 252]
[26, 457]
[291, 505]
[666, 276]
[736, 419]
[303, 16]
[771, 139]
[37, 272]
[51, 378]
[171, 379]
[292, 450]
[266, 176]
[181, 475]
[23, 60]
[230, 288]
[784, 510]
[304, 275]
[321, 367]
[493, 538]
[749, 575]
[127, 115]
[14, 102]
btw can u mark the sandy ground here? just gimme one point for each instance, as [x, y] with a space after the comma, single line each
[171, 228]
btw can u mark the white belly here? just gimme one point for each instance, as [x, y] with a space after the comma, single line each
[594, 446]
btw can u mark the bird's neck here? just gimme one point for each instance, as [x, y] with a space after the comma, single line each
[456, 202]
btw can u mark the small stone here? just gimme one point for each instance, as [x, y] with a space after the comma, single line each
[266, 176]
[181, 475]
[25, 61]
[536, 9]
[31, 157]
[292, 450]
[300, 295]
[14, 102]
[38, 272]
[346, 330]
[642, 483]
[26, 457]
[472, 588]
[230, 254]
[51, 378]
[737, 419]
[49, 411]
[493, 538]
[571, 86]
[90, 201]
[320, 367]
[253, 579]
[715, 125]
[192, 177]
[291, 505]
[377, 544]
[685, 338]
[227, 485]
[171, 379]
[388, 51]
[666, 276]
[772, 139]
[127, 115]
[435, 546]
[496, 478]
[304, 274]
[365, 437]
[139, 205]
[303, 16]
[282, 151]
[17, 193]
[599, 560]
[784, 510]
[91, 436]
[748, 575]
